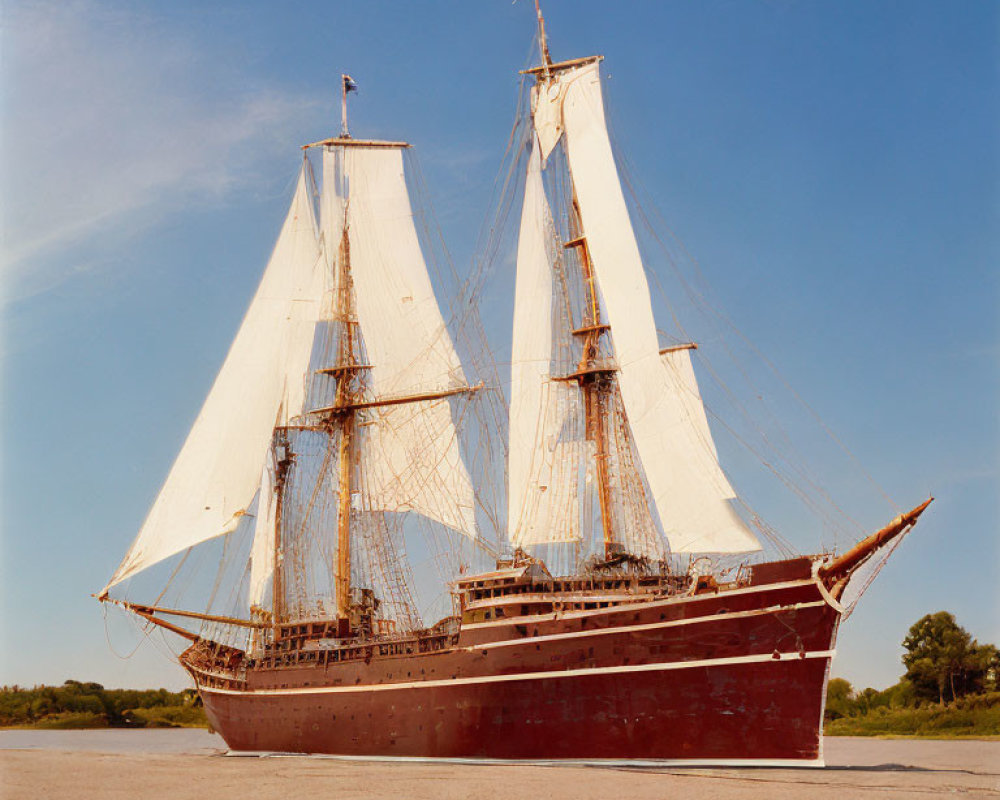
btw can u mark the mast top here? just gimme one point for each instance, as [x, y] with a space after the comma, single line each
[347, 85]
[546, 69]
[543, 42]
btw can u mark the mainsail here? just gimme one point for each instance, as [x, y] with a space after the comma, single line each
[692, 496]
[217, 472]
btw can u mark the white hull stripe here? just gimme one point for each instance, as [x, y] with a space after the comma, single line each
[639, 604]
[552, 762]
[649, 626]
[523, 676]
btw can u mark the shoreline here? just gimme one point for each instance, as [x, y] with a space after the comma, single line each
[986, 737]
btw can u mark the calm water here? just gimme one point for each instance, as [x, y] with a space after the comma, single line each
[153, 740]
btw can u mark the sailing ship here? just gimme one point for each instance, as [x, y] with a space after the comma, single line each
[336, 414]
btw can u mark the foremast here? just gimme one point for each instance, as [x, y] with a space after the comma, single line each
[358, 398]
[326, 452]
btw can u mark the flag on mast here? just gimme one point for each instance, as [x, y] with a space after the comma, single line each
[347, 85]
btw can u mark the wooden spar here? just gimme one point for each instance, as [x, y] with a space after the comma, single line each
[278, 582]
[343, 577]
[345, 462]
[395, 401]
[543, 42]
[341, 368]
[340, 141]
[148, 612]
[562, 65]
[193, 637]
[589, 375]
[676, 347]
[582, 374]
[590, 328]
[842, 566]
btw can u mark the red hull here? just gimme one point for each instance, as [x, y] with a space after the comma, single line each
[722, 677]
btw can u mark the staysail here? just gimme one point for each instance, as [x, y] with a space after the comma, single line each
[690, 492]
[217, 472]
[540, 501]
[262, 549]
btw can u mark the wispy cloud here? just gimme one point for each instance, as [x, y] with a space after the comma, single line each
[111, 122]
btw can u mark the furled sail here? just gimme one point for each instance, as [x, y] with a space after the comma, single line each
[691, 494]
[218, 469]
[540, 502]
[410, 457]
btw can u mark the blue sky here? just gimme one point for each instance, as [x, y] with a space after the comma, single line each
[832, 166]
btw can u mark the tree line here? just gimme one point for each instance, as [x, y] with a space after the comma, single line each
[78, 704]
[944, 664]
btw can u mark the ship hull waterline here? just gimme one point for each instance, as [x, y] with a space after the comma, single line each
[735, 677]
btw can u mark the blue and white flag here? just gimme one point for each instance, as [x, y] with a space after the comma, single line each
[349, 84]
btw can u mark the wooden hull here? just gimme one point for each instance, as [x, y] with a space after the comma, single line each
[728, 677]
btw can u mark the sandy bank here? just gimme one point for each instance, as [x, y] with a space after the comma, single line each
[859, 769]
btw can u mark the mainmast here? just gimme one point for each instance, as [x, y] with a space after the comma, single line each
[543, 42]
[595, 379]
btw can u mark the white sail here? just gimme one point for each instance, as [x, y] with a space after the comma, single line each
[331, 219]
[262, 549]
[540, 501]
[692, 497]
[218, 469]
[695, 451]
[410, 454]
[684, 385]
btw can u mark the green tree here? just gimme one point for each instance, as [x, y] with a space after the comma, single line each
[868, 699]
[985, 668]
[943, 659]
[839, 699]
